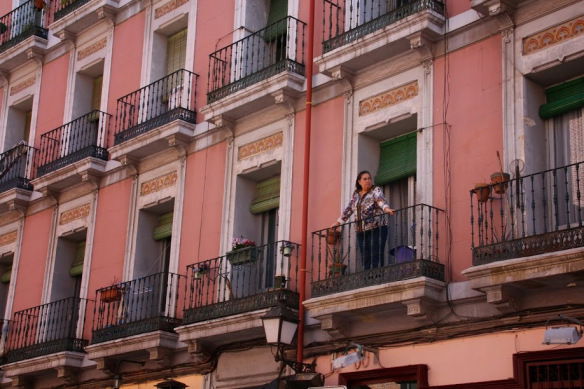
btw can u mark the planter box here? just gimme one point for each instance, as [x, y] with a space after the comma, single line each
[111, 295]
[242, 256]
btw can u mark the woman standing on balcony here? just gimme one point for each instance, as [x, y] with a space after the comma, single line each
[368, 204]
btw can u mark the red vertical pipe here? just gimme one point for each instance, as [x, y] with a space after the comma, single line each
[305, 181]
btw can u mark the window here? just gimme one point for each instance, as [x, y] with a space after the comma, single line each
[550, 369]
[564, 111]
[6, 261]
[407, 377]
[68, 268]
[176, 51]
[88, 90]
[18, 124]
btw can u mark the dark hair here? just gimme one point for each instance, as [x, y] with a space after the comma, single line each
[357, 185]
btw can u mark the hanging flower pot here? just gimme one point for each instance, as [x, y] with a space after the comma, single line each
[483, 191]
[3, 28]
[500, 181]
[332, 236]
[337, 269]
[39, 4]
[279, 282]
[286, 249]
[111, 294]
[242, 256]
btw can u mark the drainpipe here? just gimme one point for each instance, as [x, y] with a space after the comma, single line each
[305, 180]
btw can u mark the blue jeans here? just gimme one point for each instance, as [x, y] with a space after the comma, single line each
[372, 246]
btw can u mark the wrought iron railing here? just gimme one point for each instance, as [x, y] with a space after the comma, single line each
[272, 50]
[163, 101]
[139, 306]
[16, 168]
[22, 22]
[243, 280]
[345, 21]
[534, 214]
[61, 8]
[81, 138]
[378, 250]
[47, 329]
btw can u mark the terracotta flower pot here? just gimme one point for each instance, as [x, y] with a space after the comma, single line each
[39, 4]
[337, 269]
[483, 191]
[500, 181]
[112, 294]
[332, 236]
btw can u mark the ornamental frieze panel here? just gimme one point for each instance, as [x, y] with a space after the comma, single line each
[168, 7]
[553, 35]
[260, 146]
[159, 183]
[389, 98]
[22, 85]
[74, 214]
[8, 238]
[95, 47]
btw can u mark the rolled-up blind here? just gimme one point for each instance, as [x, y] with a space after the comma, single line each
[164, 228]
[77, 266]
[563, 98]
[397, 159]
[267, 196]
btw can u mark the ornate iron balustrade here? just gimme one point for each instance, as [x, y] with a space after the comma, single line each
[16, 168]
[163, 101]
[534, 214]
[81, 138]
[47, 329]
[345, 21]
[377, 251]
[135, 307]
[22, 22]
[61, 8]
[274, 49]
[243, 280]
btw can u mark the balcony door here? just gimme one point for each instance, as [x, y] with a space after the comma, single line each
[397, 175]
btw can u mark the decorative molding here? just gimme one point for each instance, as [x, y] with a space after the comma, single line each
[158, 183]
[22, 86]
[86, 52]
[260, 146]
[389, 98]
[9, 237]
[74, 214]
[553, 35]
[167, 7]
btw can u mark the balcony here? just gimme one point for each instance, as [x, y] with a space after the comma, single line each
[248, 75]
[227, 296]
[46, 337]
[394, 262]
[23, 34]
[70, 17]
[155, 116]
[73, 152]
[528, 232]
[137, 317]
[359, 33]
[16, 167]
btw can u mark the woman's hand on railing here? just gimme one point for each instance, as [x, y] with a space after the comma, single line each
[335, 224]
[389, 211]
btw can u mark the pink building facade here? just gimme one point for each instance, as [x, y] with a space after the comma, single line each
[139, 138]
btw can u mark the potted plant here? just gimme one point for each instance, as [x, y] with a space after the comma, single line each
[39, 4]
[242, 251]
[279, 282]
[500, 181]
[286, 249]
[201, 270]
[483, 191]
[3, 28]
[112, 293]
[333, 235]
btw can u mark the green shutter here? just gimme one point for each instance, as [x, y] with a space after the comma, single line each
[563, 98]
[164, 228]
[5, 277]
[267, 196]
[77, 266]
[397, 159]
[278, 11]
[96, 93]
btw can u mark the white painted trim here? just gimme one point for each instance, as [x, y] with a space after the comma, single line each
[147, 47]
[174, 260]
[424, 141]
[131, 233]
[228, 199]
[348, 148]
[107, 71]
[509, 152]
[67, 112]
[15, 266]
[35, 103]
[87, 256]
[285, 219]
[51, 256]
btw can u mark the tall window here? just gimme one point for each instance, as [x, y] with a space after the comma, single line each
[5, 274]
[397, 176]
[176, 51]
